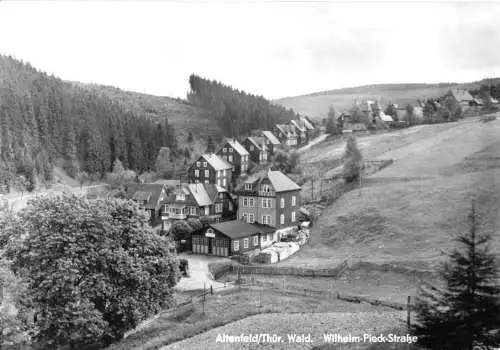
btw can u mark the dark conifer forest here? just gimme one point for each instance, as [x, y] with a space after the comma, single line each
[236, 112]
[46, 122]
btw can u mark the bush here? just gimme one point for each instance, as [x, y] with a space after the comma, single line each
[286, 162]
[184, 266]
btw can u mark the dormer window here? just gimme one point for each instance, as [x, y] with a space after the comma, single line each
[180, 197]
[266, 188]
[248, 187]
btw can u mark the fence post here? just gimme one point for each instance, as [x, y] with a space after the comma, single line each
[211, 290]
[408, 307]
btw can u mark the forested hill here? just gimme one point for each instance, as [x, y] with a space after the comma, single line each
[45, 121]
[236, 112]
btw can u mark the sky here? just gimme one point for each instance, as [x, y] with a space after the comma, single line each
[271, 48]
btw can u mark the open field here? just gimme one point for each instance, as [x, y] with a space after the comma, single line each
[224, 308]
[316, 105]
[408, 213]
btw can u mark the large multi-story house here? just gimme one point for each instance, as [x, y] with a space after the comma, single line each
[149, 197]
[234, 153]
[272, 141]
[271, 199]
[287, 134]
[198, 200]
[257, 148]
[302, 135]
[211, 169]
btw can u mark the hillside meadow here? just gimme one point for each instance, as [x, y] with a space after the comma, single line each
[408, 213]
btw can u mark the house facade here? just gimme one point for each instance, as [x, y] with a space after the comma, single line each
[286, 134]
[149, 197]
[209, 202]
[272, 199]
[211, 169]
[235, 153]
[272, 141]
[256, 147]
[230, 238]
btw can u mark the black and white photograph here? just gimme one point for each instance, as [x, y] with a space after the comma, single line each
[255, 174]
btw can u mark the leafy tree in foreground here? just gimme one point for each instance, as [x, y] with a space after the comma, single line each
[94, 269]
[353, 160]
[466, 313]
[286, 162]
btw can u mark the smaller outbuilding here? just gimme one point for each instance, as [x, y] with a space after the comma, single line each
[231, 238]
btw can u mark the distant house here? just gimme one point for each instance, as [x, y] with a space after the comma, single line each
[235, 153]
[199, 200]
[287, 134]
[257, 148]
[308, 123]
[272, 141]
[271, 199]
[462, 96]
[402, 114]
[149, 197]
[209, 168]
[302, 132]
[378, 113]
[231, 238]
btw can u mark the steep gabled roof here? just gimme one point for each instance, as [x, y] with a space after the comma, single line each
[255, 141]
[307, 123]
[216, 162]
[200, 194]
[281, 182]
[299, 125]
[238, 147]
[149, 192]
[461, 95]
[270, 136]
[286, 128]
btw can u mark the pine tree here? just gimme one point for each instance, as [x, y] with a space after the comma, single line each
[332, 127]
[466, 313]
[163, 165]
[190, 137]
[118, 167]
[353, 160]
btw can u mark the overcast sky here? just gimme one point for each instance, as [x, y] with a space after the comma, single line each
[276, 49]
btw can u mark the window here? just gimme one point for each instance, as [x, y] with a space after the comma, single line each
[294, 199]
[207, 210]
[250, 217]
[218, 207]
[266, 188]
[282, 219]
[196, 173]
[248, 187]
[282, 202]
[196, 181]
[230, 150]
[224, 172]
[230, 205]
[266, 219]
[198, 164]
[245, 243]
[206, 181]
[230, 158]
[266, 203]
[251, 202]
[224, 149]
[255, 240]
[251, 148]
[193, 210]
[245, 201]
[207, 173]
[268, 237]
[218, 182]
[236, 246]
[224, 183]
[293, 216]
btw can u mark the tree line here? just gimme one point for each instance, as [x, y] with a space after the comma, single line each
[236, 112]
[45, 122]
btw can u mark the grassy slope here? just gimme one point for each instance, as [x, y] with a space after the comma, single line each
[184, 116]
[317, 104]
[225, 308]
[407, 213]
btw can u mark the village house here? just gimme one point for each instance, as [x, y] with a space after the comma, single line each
[272, 141]
[235, 153]
[271, 199]
[149, 197]
[209, 168]
[209, 202]
[308, 123]
[257, 148]
[230, 238]
[301, 130]
[462, 96]
[379, 114]
[286, 134]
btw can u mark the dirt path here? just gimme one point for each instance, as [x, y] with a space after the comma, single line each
[313, 142]
[200, 276]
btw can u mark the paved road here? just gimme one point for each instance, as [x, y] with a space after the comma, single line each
[199, 274]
